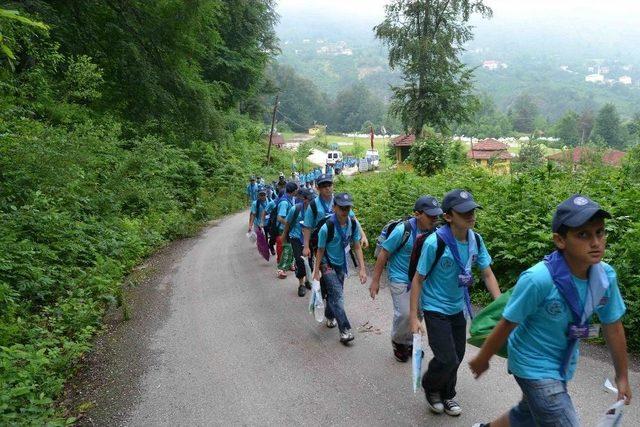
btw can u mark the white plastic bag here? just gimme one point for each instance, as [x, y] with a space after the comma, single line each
[416, 362]
[613, 416]
[318, 303]
[251, 235]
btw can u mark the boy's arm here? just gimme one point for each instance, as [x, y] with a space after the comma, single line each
[617, 343]
[285, 232]
[363, 271]
[491, 346]
[416, 288]
[316, 267]
[491, 282]
[251, 216]
[383, 256]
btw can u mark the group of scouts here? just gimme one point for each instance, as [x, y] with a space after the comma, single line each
[546, 316]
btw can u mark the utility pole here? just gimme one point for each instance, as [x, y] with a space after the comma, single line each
[273, 123]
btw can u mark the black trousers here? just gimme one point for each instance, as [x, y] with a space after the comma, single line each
[296, 245]
[447, 340]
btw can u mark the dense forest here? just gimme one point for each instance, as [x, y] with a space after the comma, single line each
[123, 124]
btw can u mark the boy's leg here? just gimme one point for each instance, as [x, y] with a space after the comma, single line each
[334, 281]
[297, 253]
[278, 248]
[328, 312]
[545, 403]
[401, 335]
[459, 332]
[445, 359]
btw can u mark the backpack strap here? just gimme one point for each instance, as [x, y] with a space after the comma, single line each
[407, 233]
[441, 246]
[314, 209]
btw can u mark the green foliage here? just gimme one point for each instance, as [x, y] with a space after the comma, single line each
[523, 114]
[568, 129]
[425, 39]
[515, 221]
[607, 127]
[429, 154]
[530, 157]
[355, 106]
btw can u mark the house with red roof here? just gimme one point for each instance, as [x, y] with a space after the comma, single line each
[277, 140]
[585, 154]
[491, 153]
[403, 144]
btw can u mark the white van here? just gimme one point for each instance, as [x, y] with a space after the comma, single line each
[373, 158]
[333, 157]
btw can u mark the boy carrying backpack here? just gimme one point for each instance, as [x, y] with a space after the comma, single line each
[549, 313]
[442, 282]
[336, 238]
[293, 235]
[396, 251]
[277, 227]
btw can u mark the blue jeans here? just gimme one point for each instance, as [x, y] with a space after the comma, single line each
[545, 403]
[332, 284]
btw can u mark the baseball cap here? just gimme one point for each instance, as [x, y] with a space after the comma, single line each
[252, 178]
[324, 178]
[305, 193]
[576, 211]
[428, 205]
[262, 191]
[343, 199]
[460, 201]
[290, 187]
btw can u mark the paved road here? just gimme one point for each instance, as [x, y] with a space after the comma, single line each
[218, 340]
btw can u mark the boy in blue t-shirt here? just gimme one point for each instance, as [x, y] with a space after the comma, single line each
[396, 254]
[252, 190]
[283, 205]
[293, 234]
[258, 209]
[548, 313]
[442, 286]
[332, 258]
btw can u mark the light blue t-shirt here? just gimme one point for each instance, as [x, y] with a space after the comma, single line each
[440, 290]
[538, 343]
[334, 249]
[283, 210]
[399, 257]
[310, 221]
[252, 191]
[295, 229]
[257, 207]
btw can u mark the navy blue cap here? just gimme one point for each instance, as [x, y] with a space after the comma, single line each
[460, 201]
[428, 205]
[290, 187]
[576, 211]
[262, 191]
[324, 178]
[252, 178]
[305, 193]
[343, 199]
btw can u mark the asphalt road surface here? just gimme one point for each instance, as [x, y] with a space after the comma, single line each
[216, 339]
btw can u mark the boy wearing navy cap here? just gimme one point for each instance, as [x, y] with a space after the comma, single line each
[332, 258]
[441, 283]
[396, 254]
[549, 313]
[293, 235]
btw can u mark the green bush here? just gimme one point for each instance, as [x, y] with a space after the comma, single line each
[516, 216]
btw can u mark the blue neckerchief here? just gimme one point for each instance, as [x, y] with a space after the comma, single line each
[344, 238]
[447, 237]
[598, 284]
[413, 222]
[258, 205]
[324, 205]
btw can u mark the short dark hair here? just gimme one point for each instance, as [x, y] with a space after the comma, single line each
[563, 230]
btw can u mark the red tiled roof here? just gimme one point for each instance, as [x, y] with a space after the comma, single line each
[277, 140]
[490, 144]
[404, 141]
[486, 154]
[611, 157]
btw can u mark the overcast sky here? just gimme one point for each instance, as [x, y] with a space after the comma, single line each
[623, 11]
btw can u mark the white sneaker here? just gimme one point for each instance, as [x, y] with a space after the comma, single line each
[452, 408]
[346, 336]
[332, 323]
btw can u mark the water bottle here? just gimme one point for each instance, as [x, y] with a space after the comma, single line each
[318, 310]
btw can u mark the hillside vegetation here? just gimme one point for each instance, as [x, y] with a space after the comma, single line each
[121, 127]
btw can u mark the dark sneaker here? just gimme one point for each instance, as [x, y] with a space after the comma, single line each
[301, 291]
[400, 351]
[481, 425]
[435, 403]
[307, 285]
[451, 407]
[332, 323]
[346, 336]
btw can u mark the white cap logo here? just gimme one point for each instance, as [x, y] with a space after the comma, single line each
[464, 194]
[434, 202]
[580, 201]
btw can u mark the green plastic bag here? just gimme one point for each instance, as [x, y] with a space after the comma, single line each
[482, 325]
[286, 260]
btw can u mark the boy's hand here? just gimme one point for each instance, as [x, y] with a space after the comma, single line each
[624, 390]
[306, 252]
[416, 325]
[478, 365]
[374, 287]
[363, 276]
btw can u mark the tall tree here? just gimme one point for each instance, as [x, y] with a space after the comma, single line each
[607, 126]
[568, 128]
[523, 114]
[425, 39]
[355, 106]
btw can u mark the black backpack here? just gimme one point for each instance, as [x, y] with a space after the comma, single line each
[417, 251]
[388, 229]
[273, 218]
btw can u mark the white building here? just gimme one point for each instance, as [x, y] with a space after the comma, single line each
[594, 78]
[625, 80]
